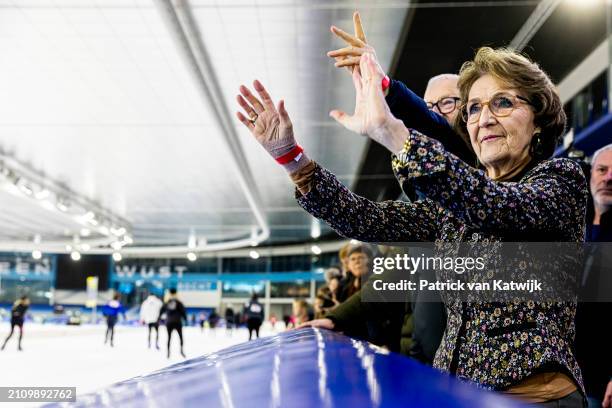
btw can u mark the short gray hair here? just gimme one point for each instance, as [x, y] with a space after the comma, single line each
[442, 76]
[600, 151]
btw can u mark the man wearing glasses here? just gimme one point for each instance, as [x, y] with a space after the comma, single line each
[442, 96]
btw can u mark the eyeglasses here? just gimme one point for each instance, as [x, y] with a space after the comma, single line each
[500, 105]
[445, 105]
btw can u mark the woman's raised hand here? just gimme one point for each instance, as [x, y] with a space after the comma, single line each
[271, 127]
[357, 45]
[372, 116]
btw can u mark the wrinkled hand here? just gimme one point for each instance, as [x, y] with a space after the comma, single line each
[270, 125]
[320, 323]
[356, 46]
[372, 116]
[607, 400]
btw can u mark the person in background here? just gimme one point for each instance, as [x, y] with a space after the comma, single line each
[330, 292]
[149, 315]
[287, 319]
[359, 259]
[319, 310]
[202, 320]
[229, 320]
[18, 312]
[301, 312]
[175, 314]
[112, 310]
[600, 230]
[593, 349]
[343, 255]
[273, 320]
[213, 319]
[254, 315]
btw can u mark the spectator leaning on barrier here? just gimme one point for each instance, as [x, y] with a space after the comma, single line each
[359, 267]
[515, 118]
[593, 349]
[301, 311]
[330, 292]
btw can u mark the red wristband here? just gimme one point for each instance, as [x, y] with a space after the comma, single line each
[292, 155]
[386, 82]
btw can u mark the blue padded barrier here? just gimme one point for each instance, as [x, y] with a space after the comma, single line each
[300, 368]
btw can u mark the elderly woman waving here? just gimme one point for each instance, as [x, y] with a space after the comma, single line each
[514, 118]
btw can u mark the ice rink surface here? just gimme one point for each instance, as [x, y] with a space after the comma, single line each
[75, 356]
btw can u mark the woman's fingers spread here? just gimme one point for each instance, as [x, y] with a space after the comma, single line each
[347, 37]
[358, 27]
[347, 62]
[346, 52]
[257, 106]
[265, 96]
[246, 122]
[246, 106]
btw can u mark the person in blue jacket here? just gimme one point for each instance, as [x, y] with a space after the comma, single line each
[111, 311]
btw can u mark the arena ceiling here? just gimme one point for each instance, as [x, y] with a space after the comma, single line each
[118, 113]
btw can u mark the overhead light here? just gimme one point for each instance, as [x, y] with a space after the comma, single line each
[315, 228]
[85, 247]
[36, 254]
[103, 230]
[26, 190]
[585, 3]
[118, 231]
[42, 194]
[117, 257]
[22, 185]
[127, 240]
[85, 232]
[62, 206]
[116, 245]
[192, 242]
[254, 254]
[75, 255]
[191, 256]
[316, 249]
[68, 248]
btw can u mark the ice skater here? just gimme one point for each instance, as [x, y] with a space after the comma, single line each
[150, 311]
[112, 310]
[18, 312]
[253, 312]
[175, 314]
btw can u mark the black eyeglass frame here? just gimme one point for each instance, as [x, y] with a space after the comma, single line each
[455, 99]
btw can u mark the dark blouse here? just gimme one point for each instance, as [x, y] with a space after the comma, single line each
[495, 345]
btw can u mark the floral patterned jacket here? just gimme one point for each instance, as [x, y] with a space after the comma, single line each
[495, 345]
